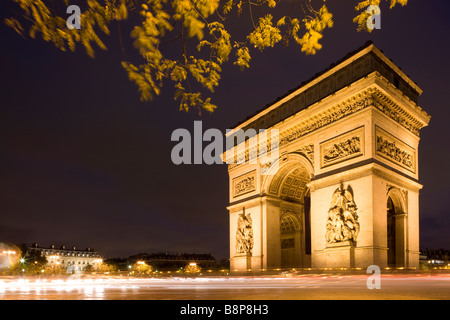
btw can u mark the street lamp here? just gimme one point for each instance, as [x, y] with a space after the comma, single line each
[9, 252]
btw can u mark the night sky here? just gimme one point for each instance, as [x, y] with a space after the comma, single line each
[84, 163]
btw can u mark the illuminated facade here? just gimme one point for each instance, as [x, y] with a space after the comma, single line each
[73, 260]
[343, 190]
[175, 261]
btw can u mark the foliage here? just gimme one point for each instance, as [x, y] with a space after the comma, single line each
[30, 263]
[141, 268]
[192, 268]
[107, 266]
[55, 269]
[361, 19]
[199, 26]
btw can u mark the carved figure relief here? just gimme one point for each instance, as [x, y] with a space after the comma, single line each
[342, 150]
[244, 234]
[342, 223]
[307, 151]
[330, 116]
[343, 147]
[265, 167]
[395, 150]
[395, 153]
[244, 184]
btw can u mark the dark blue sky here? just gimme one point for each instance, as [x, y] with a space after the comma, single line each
[84, 163]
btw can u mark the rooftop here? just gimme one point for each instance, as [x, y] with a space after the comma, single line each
[352, 67]
[53, 247]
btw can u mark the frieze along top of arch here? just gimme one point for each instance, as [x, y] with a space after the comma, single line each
[353, 67]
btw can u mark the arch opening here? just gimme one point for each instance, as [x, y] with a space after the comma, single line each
[395, 231]
[290, 187]
[391, 258]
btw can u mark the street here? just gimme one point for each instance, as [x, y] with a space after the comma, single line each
[298, 287]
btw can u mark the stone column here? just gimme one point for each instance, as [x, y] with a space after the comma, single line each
[400, 239]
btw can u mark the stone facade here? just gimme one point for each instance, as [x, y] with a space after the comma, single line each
[73, 260]
[343, 191]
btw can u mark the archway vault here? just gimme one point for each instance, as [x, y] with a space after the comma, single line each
[398, 198]
[288, 187]
[288, 178]
[397, 221]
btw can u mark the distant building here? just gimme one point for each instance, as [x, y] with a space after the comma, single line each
[435, 258]
[120, 264]
[74, 260]
[176, 260]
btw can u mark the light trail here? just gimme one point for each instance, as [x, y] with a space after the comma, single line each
[204, 287]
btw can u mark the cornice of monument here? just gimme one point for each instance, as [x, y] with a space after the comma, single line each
[398, 101]
[377, 93]
[347, 64]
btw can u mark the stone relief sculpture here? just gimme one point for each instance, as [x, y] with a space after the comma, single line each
[327, 117]
[342, 149]
[307, 151]
[342, 223]
[244, 186]
[391, 150]
[265, 167]
[244, 234]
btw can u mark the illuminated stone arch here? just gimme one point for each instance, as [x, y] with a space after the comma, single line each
[396, 224]
[352, 132]
[285, 172]
[398, 198]
[289, 222]
[291, 243]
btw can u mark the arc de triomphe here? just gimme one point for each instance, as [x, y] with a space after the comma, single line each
[343, 191]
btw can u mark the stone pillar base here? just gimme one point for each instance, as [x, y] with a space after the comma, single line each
[241, 262]
[340, 255]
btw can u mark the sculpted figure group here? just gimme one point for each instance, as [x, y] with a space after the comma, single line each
[342, 223]
[244, 234]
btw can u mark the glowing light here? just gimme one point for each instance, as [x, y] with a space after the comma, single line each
[99, 288]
